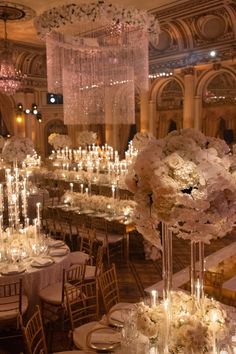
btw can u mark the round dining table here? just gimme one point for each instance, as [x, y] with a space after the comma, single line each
[37, 275]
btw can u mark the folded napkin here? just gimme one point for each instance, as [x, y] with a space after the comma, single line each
[58, 252]
[105, 338]
[117, 316]
[41, 261]
[12, 268]
[55, 243]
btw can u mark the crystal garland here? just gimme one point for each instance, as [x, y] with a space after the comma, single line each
[97, 81]
[96, 54]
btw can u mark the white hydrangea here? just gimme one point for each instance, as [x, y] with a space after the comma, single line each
[16, 149]
[188, 181]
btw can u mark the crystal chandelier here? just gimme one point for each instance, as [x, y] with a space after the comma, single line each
[10, 78]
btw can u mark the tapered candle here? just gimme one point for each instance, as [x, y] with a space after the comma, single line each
[38, 206]
[154, 297]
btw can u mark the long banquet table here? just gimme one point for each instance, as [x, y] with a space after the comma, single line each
[116, 224]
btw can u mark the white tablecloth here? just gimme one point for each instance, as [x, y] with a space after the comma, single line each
[230, 284]
[35, 279]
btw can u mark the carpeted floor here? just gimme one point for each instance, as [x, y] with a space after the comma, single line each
[133, 278]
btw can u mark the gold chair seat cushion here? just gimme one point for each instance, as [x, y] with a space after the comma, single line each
[122, 306]
[90, 272]
[9, 307]
[80, 334]
[52, 294]
[78, 257]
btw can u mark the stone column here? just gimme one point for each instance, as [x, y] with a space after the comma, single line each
[198, 113]
[29, 100]
[144, 111]
[152, 118]
[188, 110]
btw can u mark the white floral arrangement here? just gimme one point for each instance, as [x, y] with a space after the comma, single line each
[186, 180]
[141, 139]
[86, 137]
[59, 141]
[2, 142]
[192, 328]
[99, 11]
[17, 149]
[99, 203]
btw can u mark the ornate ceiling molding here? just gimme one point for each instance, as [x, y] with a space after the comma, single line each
[191, 30]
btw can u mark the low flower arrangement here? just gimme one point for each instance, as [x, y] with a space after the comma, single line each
[59, 141]
[99, 203]
[86, 137]
[17, 149]
[192, 328]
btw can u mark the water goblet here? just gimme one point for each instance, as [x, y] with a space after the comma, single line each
[15, 255]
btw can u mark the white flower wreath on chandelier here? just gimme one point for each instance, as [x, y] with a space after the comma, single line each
[96, 54]
[186, 180]
[116, 15]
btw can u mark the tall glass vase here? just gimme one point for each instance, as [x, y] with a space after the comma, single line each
[167, 271]
[197, 270]
[167, 267]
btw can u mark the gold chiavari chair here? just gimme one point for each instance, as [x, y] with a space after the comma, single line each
[12, 304]
[108, 285]
[83, 309]
[52, 297]
[109, 238]
[34, 335]
[92, 271]
[87, 239]
[82, 303]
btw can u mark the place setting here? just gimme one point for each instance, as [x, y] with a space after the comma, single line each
[104, 339]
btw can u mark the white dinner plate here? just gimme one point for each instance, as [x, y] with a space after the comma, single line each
[103, 339]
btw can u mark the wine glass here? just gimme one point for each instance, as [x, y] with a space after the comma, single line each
[15, 255]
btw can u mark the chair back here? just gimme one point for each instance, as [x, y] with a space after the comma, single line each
[10, 299]
[33, 334]
[82, 303]
[99, 263]
[108, 286]
[87, 238]
[74, 276]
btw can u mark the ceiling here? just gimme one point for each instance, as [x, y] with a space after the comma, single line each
[24, 31]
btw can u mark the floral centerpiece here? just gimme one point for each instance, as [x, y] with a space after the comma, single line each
[59, 141]
[187, 181]
[86, 137]
[17, 149]
[189, 333]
